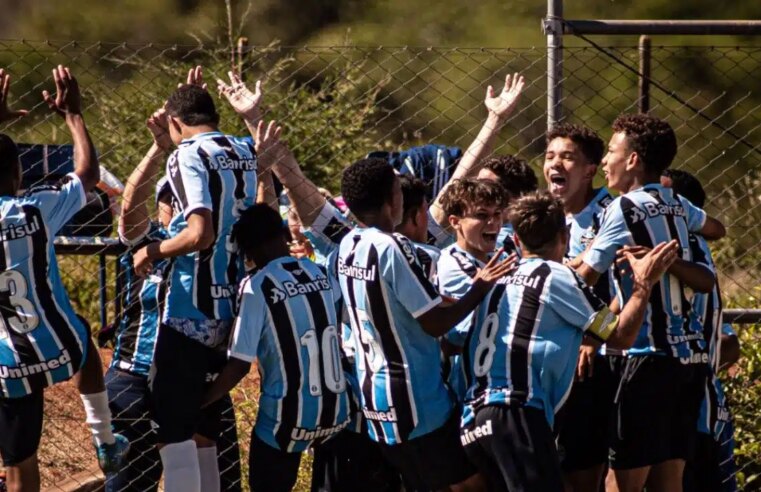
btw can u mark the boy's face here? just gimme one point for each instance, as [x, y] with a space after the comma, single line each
[478, 229]
[618, 163]
[567, 170]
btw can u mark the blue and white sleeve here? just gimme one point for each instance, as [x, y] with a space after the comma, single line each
[60, 202]
[696, 217]
[189, 180]
[327, 230]
[249, 324]
[613, 235]
[577, 304]
[406, 278]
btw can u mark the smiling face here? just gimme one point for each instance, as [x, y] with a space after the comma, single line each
[567, 170]
[478, 229]
[618, 163]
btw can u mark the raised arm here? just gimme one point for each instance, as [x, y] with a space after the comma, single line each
[7, 114]
[500, 108]
[242, 100]
[267, 154]
[67, 102]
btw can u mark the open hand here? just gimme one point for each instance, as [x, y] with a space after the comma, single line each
[649, 269]
[502, 105]
[240, 97]
[495, 269]
[158, 124]
[195, 77]
[67, 100]
[5, 113]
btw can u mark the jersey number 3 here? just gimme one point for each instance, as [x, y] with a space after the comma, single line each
[20, 315]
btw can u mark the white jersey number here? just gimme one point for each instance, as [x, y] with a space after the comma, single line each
[24, 317]
[484, 356]
[334, 377]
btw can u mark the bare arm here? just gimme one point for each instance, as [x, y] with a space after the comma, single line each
[233, 372]
[729, 352]
[7, 114]
[242, 100]
[713, 229]
[696, 276]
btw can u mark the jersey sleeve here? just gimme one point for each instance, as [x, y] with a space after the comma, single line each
[437, 235]
[249, 324]
[327, 230]
[696, 217]
[454, 280]
[189, 180]
[577, 304]
[406, 278]
[726, 329]
[613, 234]
[59, 203]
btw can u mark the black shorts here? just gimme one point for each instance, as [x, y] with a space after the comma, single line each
[432, 461]
[182, 371]
[513, 447]
[270, 469]
[20, 427]
[349, 459]
[656, 411]
[585, 422]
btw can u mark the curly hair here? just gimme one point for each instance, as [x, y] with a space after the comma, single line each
[651, 138]
[687, 185]
[367, 184]
[260, 218]
[466, 194]
[193, 106]
[413, 193]
[514, 173]
[537, 219]
[589, 142]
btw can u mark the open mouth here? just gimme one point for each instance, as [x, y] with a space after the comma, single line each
[557, 183]
[490, 236]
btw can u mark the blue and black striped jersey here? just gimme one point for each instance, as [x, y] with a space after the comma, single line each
[42, 342]
[505, 239]
[288, 321]
[398, 364]
[648, 216]
[142, 304]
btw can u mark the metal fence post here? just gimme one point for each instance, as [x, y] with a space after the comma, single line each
[553, 28]
[643, 101]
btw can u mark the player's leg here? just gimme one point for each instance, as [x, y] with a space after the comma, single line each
[269, 469]
[666, 476]
[228, 450]
[20, 432]
[130, 408]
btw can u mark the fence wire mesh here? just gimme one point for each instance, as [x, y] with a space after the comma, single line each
[339, 103]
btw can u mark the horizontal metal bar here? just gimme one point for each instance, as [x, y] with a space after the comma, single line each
[683, 27]
[742, 316]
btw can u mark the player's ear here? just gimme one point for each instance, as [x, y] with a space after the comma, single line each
[454, 221]
[633, 161]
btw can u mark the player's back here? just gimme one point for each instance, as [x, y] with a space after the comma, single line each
[303, 388]
[385, 289]
[42, 341]
[216, 172]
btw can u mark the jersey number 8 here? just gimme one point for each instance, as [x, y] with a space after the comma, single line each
[484, 356]
[335, 380]
[24, 318]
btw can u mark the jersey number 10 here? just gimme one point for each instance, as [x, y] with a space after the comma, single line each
[335, 380]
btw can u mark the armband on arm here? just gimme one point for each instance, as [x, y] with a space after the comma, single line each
[602, 324]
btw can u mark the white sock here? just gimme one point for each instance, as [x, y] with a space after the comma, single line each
[181, 471]
[207, 461]
[98, 417]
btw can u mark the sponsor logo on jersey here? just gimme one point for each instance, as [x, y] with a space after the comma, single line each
[24, 370]
[302, 434]
[223, 291]
[676, 339]
[470, 435]
[223, 162]
[696, 358]
[651, 209]
[19, 231]
[357, 272]
[389, 416]
[530, 281]
[292, 289]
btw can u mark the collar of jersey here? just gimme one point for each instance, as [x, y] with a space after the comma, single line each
[201, 136]
[653, 186]
[281, 260]
[469, 256]
[595, 199]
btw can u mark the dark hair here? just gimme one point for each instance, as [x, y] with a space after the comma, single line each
[193, 106]
[515, 175]
[687, 185]
[413, 193]
[465, 194]
[589, 142]
[256, 226]
[367, 184]
[537, 219]
[651, 138]
[8, 156]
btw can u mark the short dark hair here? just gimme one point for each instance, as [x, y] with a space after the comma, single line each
[589, 142]
[651, 138]
[413, 193]
[193, 106]
[367, 184]
[8, 156]
[515, 175]
[537, 219]
[465, 194]
[687, 185]
[257, 225]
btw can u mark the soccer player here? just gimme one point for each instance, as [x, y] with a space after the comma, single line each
[396, 316]
[414, 224]
[570, 163]
[288, 322]
[42, 341]
[517, 178]
[663, 377]
[521, 353]
[214, 179]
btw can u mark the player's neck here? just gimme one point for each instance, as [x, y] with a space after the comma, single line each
[477, 254]
[576, 204]
[192, 131]
[408, 230]
[638, 181]
[379, 221]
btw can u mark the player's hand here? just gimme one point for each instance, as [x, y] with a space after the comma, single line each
[7, 114]
[158, 124]
[240, 97]
[496, 269]
[585, 366]
[141, 262]
[649, 269]
[67, 100]
[502, 105]
[195, 77]
[268, 144]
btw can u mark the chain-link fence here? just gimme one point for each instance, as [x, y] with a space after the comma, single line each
[339, 103]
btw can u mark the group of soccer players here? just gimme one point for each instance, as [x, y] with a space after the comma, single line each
[489, 336]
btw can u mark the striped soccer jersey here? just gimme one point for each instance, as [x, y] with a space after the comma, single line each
[398, 364]
[526, 334]
[648, 216]
[288, 321]
[505, 239]
[215, 172]
[143, 302]
[456, 269]
[42, 342]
